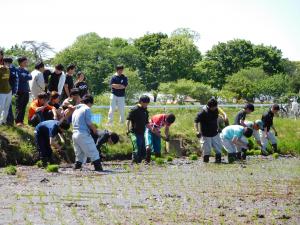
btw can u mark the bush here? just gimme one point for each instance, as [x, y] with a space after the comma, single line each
[169, 159]
[10, 170]
[52, 168]
[193, 157]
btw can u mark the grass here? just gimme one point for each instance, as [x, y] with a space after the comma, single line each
[22, 147]
[52, 168]
[193, 157]
[10, 170]
[160, 161]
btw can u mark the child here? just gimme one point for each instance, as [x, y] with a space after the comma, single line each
[208, 130]
[234, 139]
[241, 116]
[45, 134]
[137, 121]
[40, 111]
[22, 97]
[266, 135]
[153, 139]
[84, 145]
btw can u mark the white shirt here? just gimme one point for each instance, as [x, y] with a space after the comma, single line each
[295, 106]
[37, 84]
[61, 83]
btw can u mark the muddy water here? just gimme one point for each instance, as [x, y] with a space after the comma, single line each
[262, 191]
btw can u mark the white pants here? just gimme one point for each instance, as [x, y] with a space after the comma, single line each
[5, 101]
[115, 102]
[207, 143]
[232, 148]
[265, 140]
[84, 146]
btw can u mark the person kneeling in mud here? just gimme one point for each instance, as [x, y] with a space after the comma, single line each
[153, 138]
[137, 121]
[103, 137]
[45, 134]
[234, 140]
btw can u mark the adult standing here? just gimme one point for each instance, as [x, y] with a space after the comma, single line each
[37, 84]
[118, 85]
[5, 92]
[69, 83]
[22, 97]
[81, 84]
[57, 79]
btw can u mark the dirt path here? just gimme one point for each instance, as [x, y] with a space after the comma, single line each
[263, 191]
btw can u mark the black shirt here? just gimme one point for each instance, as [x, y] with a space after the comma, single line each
[83, 88]
[209, 122]
[139, 118]
[56, 105]
[119, 79]
[267, 119]
[70, 83]
[240, 116]
[53, 82]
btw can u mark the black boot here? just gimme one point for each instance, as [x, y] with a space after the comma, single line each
[239, 155]
[218, 158]
[244, 154]
[274, 146]
[231, 157]
[206, 158]
[97, 165]
[77, 165]
[157, 154]
[148, 155]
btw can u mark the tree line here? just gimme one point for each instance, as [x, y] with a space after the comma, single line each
[174, 65]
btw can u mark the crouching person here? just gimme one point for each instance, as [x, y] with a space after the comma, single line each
[153, 138]
[234, 140]
[257, 127]
[137, 121]
[207, 119]
[266, 135]
[84, 145]
[103, 137]
[45, 134]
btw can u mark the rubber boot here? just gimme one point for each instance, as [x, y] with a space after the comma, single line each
[157, 154]
[206, 158]
[218, 158]
[231, 157]
[148, 155]
[77, 165]
[239, 155]
[274, 146]
[244, 154]
[97, 165]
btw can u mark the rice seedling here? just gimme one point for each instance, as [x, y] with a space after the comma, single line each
[52, 168]
[10, 170]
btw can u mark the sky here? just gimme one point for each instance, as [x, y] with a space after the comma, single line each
[59, 22]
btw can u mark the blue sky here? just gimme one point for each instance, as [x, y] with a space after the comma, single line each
[59, 22]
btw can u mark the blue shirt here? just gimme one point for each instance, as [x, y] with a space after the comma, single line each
[233, 131]
[13, 79]
[47, 128]
[24, 77]
[82, 118]
[116, 79]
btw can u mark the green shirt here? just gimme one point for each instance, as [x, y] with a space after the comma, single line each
[4, 80]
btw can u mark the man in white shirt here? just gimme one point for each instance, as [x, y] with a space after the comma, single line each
[37, 84]
[295, 108]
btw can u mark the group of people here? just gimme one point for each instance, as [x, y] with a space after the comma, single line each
[58, 102]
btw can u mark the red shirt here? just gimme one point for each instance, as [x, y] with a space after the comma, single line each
[159, 121]
[34, 105]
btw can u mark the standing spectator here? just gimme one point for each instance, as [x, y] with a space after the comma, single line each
[37, 84]
[241, 116]
[84, 145]
[5, 92]
[266, 135]
[46, 74]
[13, 80]
[57, 79]
[81, 84]
[1, 57]
[22, 96]
[295, 108]
[118, 85]
[208, 130]
[137, 121]
[69, 84]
